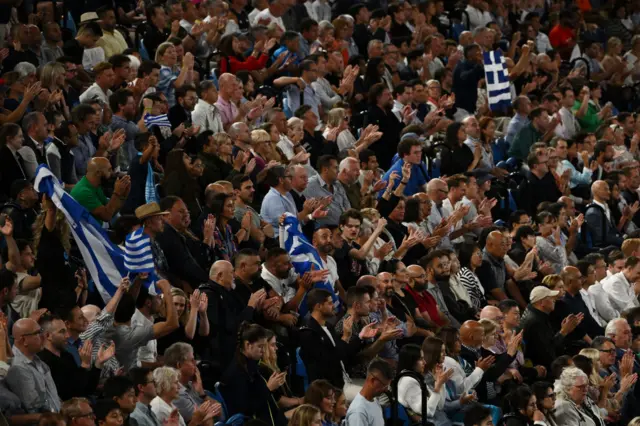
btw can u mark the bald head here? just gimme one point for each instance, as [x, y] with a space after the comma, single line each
[494, 243]
[90, 312]
[571, 279]
[601, 191]
[422, 196]
[227, 81]
[98, 165]
[237, 128]
[471, 334]
[492, 313]
[415, 270]
[367, 280]
[435, 185]
[24, 326]
[219, 267]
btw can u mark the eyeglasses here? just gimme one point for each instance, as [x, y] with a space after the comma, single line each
[34, 333]
[551, 395]
[608, 351]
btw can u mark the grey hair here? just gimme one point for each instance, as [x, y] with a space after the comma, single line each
[177, 354]
[164, 378]
[325, 25]
[478, 31]
[612, 326]
[566, 381]
[345, 163]
[71, 408]
[25, 69]
[366, 228]
[29, 120]
[599, 342]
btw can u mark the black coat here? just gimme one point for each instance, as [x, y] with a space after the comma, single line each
[543, 342]
[387, 146]
[226, 311]
[492, 374]
[321, 358]
[182, 264]
[10, 171]
[245, 391]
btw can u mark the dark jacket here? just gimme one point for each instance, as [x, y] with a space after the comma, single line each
[23, 220]
[226, 311]
[182, 263]
[603, 232]
[466, 76]
[543, 343]
[387, 146]
[321, 358]
[63, 367]
[245, 391]
[490, 377]
[10, 171]
[516, 419]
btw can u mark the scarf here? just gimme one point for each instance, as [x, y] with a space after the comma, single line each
[150, 193]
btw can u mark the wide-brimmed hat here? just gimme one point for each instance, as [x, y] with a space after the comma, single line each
[541, 292]
[148, 210]
[88, 17]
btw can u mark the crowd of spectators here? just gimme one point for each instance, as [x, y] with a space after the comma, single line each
[473, 266]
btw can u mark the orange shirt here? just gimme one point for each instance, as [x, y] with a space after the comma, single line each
[559, 36]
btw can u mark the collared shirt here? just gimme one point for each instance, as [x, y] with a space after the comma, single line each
[228, 111]
[605, 309]
[542, 42]
[207, 116]
[517, 122]
[283, 287]
[604, 207]
[127, 151]
[143, 414]
[497, 272]
[576, 178]
[73, 347]
[188, 400]
[274, 205]
[95, 92]
[620, 292]
[318, 188]
[556, 255]
[568, 127]
[31, 381]
[435, 291]
[328, 97]
[149, 351]
[112, 42]
[30, 157]
[165, 84]
[435, 219]
[162, 410]
[82, 153]
[309, 97]
[589, 300]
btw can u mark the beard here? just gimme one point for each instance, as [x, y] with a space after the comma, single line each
[439, 277]
[420, 286]
[389, 292]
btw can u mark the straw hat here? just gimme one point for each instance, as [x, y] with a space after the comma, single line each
[148, 210]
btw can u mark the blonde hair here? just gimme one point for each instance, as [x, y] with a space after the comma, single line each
[294, 122]
[336, 117]
[552, 281]
[164, 377]
[594, 355]
[50, 73]
[489, 326]
[161, 51]
[304, 415]
[176, 292]
[634, 422]
[370, 214]
[629, 246]
[220, 138]
[260, 136]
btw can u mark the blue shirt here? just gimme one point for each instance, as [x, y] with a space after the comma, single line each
[418, 179]
[517, 122]
[296, 58]
[165, 84]
[131, 130]
[73, 348]
[292, 99]
[275, 205]
[82, 153]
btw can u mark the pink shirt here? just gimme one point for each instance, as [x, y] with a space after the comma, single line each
[228, 111]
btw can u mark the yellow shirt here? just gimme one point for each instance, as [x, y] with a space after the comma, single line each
[113, 43]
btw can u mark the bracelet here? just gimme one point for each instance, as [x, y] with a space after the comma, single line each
[403, 182]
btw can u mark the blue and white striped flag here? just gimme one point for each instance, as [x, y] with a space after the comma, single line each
[161, 120]
[104, 260]
[497, 79]
[303, 256]
[138, 256]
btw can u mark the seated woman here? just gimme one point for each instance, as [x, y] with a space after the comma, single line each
[470, 257]
[545, 400]
[191, 317]
[243, 389]
[521, 408]
[573, 405]
[268, 366]
[322, 394]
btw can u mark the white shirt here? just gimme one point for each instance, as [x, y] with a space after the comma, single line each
[95, 92]
[463, 382]
[331, 265]
[284, 287]
[477, 18]
[542, 43]
[162, 410]
[568, 127]
[148, 352]
[448, 209]
[207, 116]
[591, 305]
[620, 292]
[266, 14]
[434, 219]
[603, 304]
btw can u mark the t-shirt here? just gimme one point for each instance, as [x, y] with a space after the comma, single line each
[88, 196]
[349, 268]
[128, 338]
[363, 412]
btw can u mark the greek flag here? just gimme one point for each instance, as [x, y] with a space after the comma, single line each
[104, 260]
[303, 256]
[497, 78]
[138, 256]
[156, 120]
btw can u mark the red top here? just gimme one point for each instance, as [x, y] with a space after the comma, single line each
[426, 302]
[559, 36]
[250, 64]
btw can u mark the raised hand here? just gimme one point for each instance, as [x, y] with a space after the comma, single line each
[369, 331]
[105, 353]
[485, 363]
[7, 228]
[85, 354]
